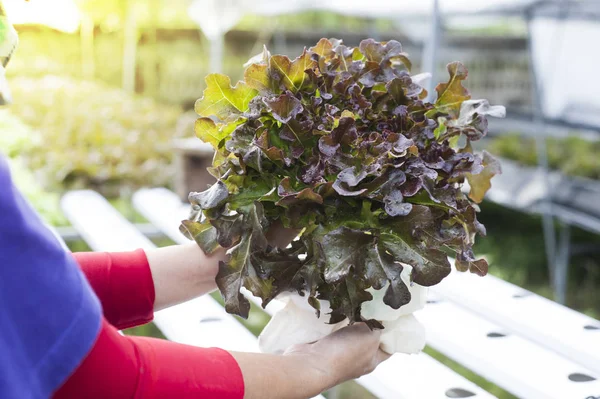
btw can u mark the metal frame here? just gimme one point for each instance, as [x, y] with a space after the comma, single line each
[557, 248]
[542, 156]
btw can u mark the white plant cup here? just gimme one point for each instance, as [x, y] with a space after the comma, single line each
[297, 323]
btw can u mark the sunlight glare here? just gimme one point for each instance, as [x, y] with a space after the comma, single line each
[62, 15]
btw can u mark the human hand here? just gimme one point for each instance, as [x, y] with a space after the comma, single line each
[346, 354]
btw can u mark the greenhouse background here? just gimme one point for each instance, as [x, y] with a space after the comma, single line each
[103, 94]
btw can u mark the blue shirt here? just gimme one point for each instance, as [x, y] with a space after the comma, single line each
[49, 315]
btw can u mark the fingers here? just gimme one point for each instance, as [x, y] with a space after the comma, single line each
[356, 331]
[349, 352]
[357, 337]
[363, 331]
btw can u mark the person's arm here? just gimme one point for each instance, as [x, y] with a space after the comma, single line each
[183, 272]
[132, 285]
[125, 367]
[123, 283]
[122, 367]
[164, 276]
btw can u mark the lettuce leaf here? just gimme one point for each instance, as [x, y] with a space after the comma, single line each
[340, 144]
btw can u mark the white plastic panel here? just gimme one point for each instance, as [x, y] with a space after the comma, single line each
[570, 333]
[526, 369]
[510, 361]
[403, 376]
[419, 376]
[101, 226]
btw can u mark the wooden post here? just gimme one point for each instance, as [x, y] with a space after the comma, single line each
[192, 157]
[88, 60]
[151, 78]
[130, 39]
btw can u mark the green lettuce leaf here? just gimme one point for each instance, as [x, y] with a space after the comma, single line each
[222, 100]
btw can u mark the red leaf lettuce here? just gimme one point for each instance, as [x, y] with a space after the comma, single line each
[340, 144]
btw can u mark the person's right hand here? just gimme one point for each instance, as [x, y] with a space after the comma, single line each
[348, 353]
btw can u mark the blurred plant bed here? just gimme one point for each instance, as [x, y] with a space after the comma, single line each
[14, 137]
[89, 135]
[44, 202]
[573, 156]
[14, 134]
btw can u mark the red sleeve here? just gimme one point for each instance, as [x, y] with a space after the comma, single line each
[123, 282]
[122, 367]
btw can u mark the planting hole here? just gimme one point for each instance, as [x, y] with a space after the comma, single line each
[590, 327]
[209, 319]
[459, 393]
[521, 295]
[579, 377]
[496, 335]
[433, 301]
